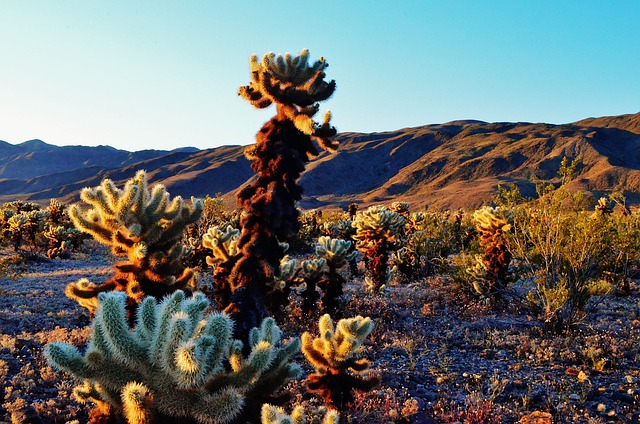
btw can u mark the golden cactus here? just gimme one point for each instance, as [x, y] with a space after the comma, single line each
[336, 357]
[496, 256]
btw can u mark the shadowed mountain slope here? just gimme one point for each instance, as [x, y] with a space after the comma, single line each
[457, 164]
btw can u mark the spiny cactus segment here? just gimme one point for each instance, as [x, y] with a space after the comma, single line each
[295, 86]
[335, 355]
[378, 231]
[492, 273]
[146, 226]
[276, 415]
[178, 361]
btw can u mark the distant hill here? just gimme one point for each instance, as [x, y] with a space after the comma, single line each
[451, 165]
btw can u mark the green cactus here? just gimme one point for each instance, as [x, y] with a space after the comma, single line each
[312, 271]
[337, 254]
[378, 232]
[143, 225]
[177, 362]
[335, 355]
[283, 147]
[223, 241]
[276, 415]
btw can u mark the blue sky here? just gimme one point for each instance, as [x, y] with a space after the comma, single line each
[159, 74]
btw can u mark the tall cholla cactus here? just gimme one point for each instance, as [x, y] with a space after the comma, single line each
[177, 364]
[145, 226]
[283, 146]
[496, 259]
[276, 415]
[378, 230]
[335, 355]
[337, 254]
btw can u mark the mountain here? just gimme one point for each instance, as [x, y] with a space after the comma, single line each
[451, 165]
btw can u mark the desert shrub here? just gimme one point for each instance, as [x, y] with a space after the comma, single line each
[620, 264]
[563, 249]
[431, 238]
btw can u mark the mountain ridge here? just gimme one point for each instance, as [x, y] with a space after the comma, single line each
[450, 165]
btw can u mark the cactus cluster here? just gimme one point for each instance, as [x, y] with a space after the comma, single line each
[319, 276]
[336, 358]
[28, 228]
[142, 224]
[378, 232]
[178, 362]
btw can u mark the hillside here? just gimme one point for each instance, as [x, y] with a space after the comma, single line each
[451, 165]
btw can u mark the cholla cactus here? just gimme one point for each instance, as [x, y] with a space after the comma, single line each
[496, 257]
[337, 253]
[312, 272]
[283, 147]
[57, 212]
[401, 208]
[335, 355]
[223, 241]
[378, 230]
[177, 362]
[276, 415]
[145, 226]
[59, 241]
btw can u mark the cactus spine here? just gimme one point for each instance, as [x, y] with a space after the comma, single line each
[335, 355]
[177, 362]
[283, 147]
[142, 224]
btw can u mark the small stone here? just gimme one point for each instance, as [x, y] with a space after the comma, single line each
[537, 417]
[601, 407]
[442, 379]
[574, 397]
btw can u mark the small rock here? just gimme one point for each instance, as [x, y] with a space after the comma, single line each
[537, 417]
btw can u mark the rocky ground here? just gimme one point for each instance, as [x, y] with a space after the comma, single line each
[440, 357]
